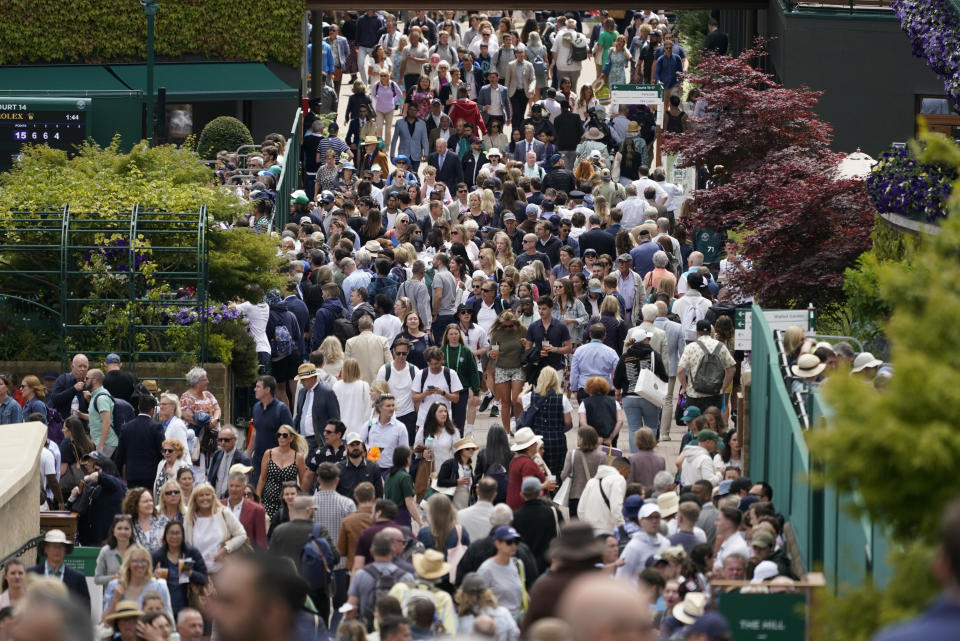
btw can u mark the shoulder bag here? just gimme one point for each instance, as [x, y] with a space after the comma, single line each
[649, 387]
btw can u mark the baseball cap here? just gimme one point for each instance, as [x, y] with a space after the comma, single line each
[555, 158]
[576, 194]
[509, 216]
[112, 359]
[707, 435]
[631, 507]
[531, 486]
[704, 327]
[590, 252]
[506, 533]
[594, 286]
[761, 540]
[533, 209]
[724, 488]
[648, 510]
[624, 258]
[327, 197]
[353, 437]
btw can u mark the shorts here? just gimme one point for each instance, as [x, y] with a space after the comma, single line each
[508, 374]
[286, 368]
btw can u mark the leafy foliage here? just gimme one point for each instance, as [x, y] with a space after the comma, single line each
[106, 181]
[801, 226]
[223, 133]
[910, 426]
[243, 264]
[692, 26]
[115, 30]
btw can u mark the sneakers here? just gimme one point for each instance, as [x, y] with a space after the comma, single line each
[485, 403]
[495, 411]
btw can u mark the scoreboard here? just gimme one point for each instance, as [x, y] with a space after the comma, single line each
[61, 123]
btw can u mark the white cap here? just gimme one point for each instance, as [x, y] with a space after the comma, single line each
[764, 571]
[648, 510]
[353, 437]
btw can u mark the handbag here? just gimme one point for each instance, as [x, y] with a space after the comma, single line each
[526, 416]
[649, 387]
[456, 553]
[74, 475]
[562, 495]
[423, 478]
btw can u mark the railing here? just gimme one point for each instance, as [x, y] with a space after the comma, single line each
[848, 549]
[289, 180]
[23, 549]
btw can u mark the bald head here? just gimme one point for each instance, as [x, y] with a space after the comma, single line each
[600, 608]
[695, 259]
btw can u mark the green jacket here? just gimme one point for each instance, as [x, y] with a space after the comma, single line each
[466, 367]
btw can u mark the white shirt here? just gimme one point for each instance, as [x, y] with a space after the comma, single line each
[436, 380]
[354, 399]
[643, 182]
[401, 386]
[736, 544]
[55, 450]
[486, 315]
[632, 209]
[442, 445]
[47, 467]
[476, 519]
[306, 419]
[257, 316]
[387, 326]
[476, 339]
[672, 192]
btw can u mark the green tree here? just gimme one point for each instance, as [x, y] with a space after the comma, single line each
[223, 133]
[899, 447]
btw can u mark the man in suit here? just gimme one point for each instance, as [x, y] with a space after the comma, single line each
[139, 446]
[529, 143]
[449, 170]
[521, 83]
[370, 350]
[432, 121]
[472, 161]
[410, 138]
[493, 99]
[252, 516]
[444, 132]
[596, 238]
[717, 40]
[320, 402]
[218, 474]
[341, 50]
[55, 549]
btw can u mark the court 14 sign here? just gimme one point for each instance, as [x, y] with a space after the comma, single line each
[639, 95]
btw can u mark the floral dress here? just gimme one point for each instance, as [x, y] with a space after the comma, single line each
[422, 100]
[618, 62]
[273, 487]
[208, 444]
[152, 538]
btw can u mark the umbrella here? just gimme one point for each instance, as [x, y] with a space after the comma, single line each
[855, 165]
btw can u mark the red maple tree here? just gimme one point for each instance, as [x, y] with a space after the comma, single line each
[802, 227]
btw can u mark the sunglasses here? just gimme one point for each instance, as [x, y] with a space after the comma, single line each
[284, 435]
[329, 431]
[401, 353]
[226, 440]
[171, 492]
[248, 494]
[167, 450]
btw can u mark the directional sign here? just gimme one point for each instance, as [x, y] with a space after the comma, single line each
[639, 95]
[776, 318]
[636, 94]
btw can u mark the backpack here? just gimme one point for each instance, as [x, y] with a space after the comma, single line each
[578, 46]
[688, 321]
[710, 372]
[411, 546]
[383, 583]
[539, 66]
[122, 412]
[282, 343]
[344, 330]
[426, 370]
[317, 560]
[55, 425]
[389, 366]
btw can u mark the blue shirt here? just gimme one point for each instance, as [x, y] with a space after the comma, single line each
[940, 622]
[387, 437]
[642, 256]
[10, 411]
[327, 53]
[667, 69]
[267, 422]
[592, 359]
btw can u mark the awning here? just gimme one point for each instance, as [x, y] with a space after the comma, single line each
[202, 81]
[78, 80]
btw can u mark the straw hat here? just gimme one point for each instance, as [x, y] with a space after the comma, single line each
[691, 608]
[371, 140]
[430, 565]
[125, 610]
[306, 370]
[464, 444]
[808, 366]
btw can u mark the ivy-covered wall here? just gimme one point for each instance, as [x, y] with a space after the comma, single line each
[115, 30]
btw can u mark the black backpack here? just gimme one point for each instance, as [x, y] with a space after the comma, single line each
[383, 583]
[708, 379]
[426, 371]
[344, 330]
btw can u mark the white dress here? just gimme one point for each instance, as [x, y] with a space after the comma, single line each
[354, 400]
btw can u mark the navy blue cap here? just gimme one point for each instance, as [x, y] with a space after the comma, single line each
[506, 533]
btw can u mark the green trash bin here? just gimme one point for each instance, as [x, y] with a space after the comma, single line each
[83, 559]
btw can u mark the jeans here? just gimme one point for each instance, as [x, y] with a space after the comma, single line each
[440, 325]
[640, 413]
[460, 410]
[341, 580]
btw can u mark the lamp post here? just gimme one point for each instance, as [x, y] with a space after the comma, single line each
[150, 9]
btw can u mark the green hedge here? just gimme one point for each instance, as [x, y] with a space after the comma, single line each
[115, 30]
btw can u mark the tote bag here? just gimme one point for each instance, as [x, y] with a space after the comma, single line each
[649, 387]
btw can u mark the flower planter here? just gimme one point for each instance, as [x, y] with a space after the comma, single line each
[908, 225]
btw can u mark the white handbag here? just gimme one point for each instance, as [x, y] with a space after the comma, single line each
[649, 387]
[562, 495]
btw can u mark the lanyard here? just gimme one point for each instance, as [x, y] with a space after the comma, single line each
[457, 360]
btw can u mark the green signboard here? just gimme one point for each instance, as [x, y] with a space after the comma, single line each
[765, 617]
[61, 123]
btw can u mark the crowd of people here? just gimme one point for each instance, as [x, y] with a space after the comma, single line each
[530, 276]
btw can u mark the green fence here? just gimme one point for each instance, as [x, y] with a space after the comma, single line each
[847, 549]
[289, 180]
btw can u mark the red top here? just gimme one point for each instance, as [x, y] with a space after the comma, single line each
[521, 467]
